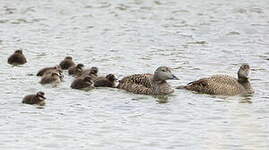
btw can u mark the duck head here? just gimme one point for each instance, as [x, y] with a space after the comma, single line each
[68, 58]
[243, 72]
[111, 77]
[164, 73]
[41, 95]
[94, 70]
[18, 51]
[88, 80]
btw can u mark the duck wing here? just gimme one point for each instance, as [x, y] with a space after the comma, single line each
[218, 85]
[137, 83]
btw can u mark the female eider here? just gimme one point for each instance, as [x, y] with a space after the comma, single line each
[149, 84]
[223, 84]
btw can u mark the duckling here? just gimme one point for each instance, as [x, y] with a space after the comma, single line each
[92, 72]
[76, 70]
[17, 58]
[108, 81]
[51, 77]
[56, 68]
[223, 84]
[82, 83]
[37, 99]
[67, 63]
[149, 84]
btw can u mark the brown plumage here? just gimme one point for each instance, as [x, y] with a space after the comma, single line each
[82, 83]
[49, 69]
[37, 99]
[223, 84]
[17, 58]
[92, 72]
[108, 81]
[67, 63]
[51, 77]
[76, 70]
[149, 84]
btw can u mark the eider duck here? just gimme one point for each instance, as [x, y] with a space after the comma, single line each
[82, 83]
[92, 72]
[56, 68]
[37, 99]
[223, 84]
[67, 63]
[17, 58]
[51, 77]
[149, 84]
[76, 70]
[107, 81]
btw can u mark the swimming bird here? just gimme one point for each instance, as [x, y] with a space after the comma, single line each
[56, 68]
[82, 83]
[149, 84]
[17, 58]
[67, 63]
[223, 84]
[76, 70]
[107, 81]
[92, 72]
[51, 77]
[37, 98]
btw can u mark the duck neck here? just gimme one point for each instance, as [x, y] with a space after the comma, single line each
[157, 80]
[242, 79]
[245, 83]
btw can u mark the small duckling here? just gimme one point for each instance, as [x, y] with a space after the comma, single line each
[49, 69]
[82, 83]
[92, 72]
[37, 99]
[76, 70]
[17, 58]
[51, 77]
[67, 63]
[108, 81]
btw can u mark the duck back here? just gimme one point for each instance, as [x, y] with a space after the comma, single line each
[217, 85]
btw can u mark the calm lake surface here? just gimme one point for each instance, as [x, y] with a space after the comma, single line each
[196, 38]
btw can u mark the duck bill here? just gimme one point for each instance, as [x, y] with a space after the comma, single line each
[174, 77]
[42, 97]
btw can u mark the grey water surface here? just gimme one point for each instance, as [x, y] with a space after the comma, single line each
[196, 38]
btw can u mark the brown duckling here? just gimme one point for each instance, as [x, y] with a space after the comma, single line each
[92, 72]
[76, 70]
[37, 99]
[17, 58]
[49, 69]
[51, 77]
[67, 63]
[82, 83]
[108, 81]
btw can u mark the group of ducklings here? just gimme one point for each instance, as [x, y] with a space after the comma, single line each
[149, 84]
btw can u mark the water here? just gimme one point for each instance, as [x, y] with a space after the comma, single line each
[196, 38]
